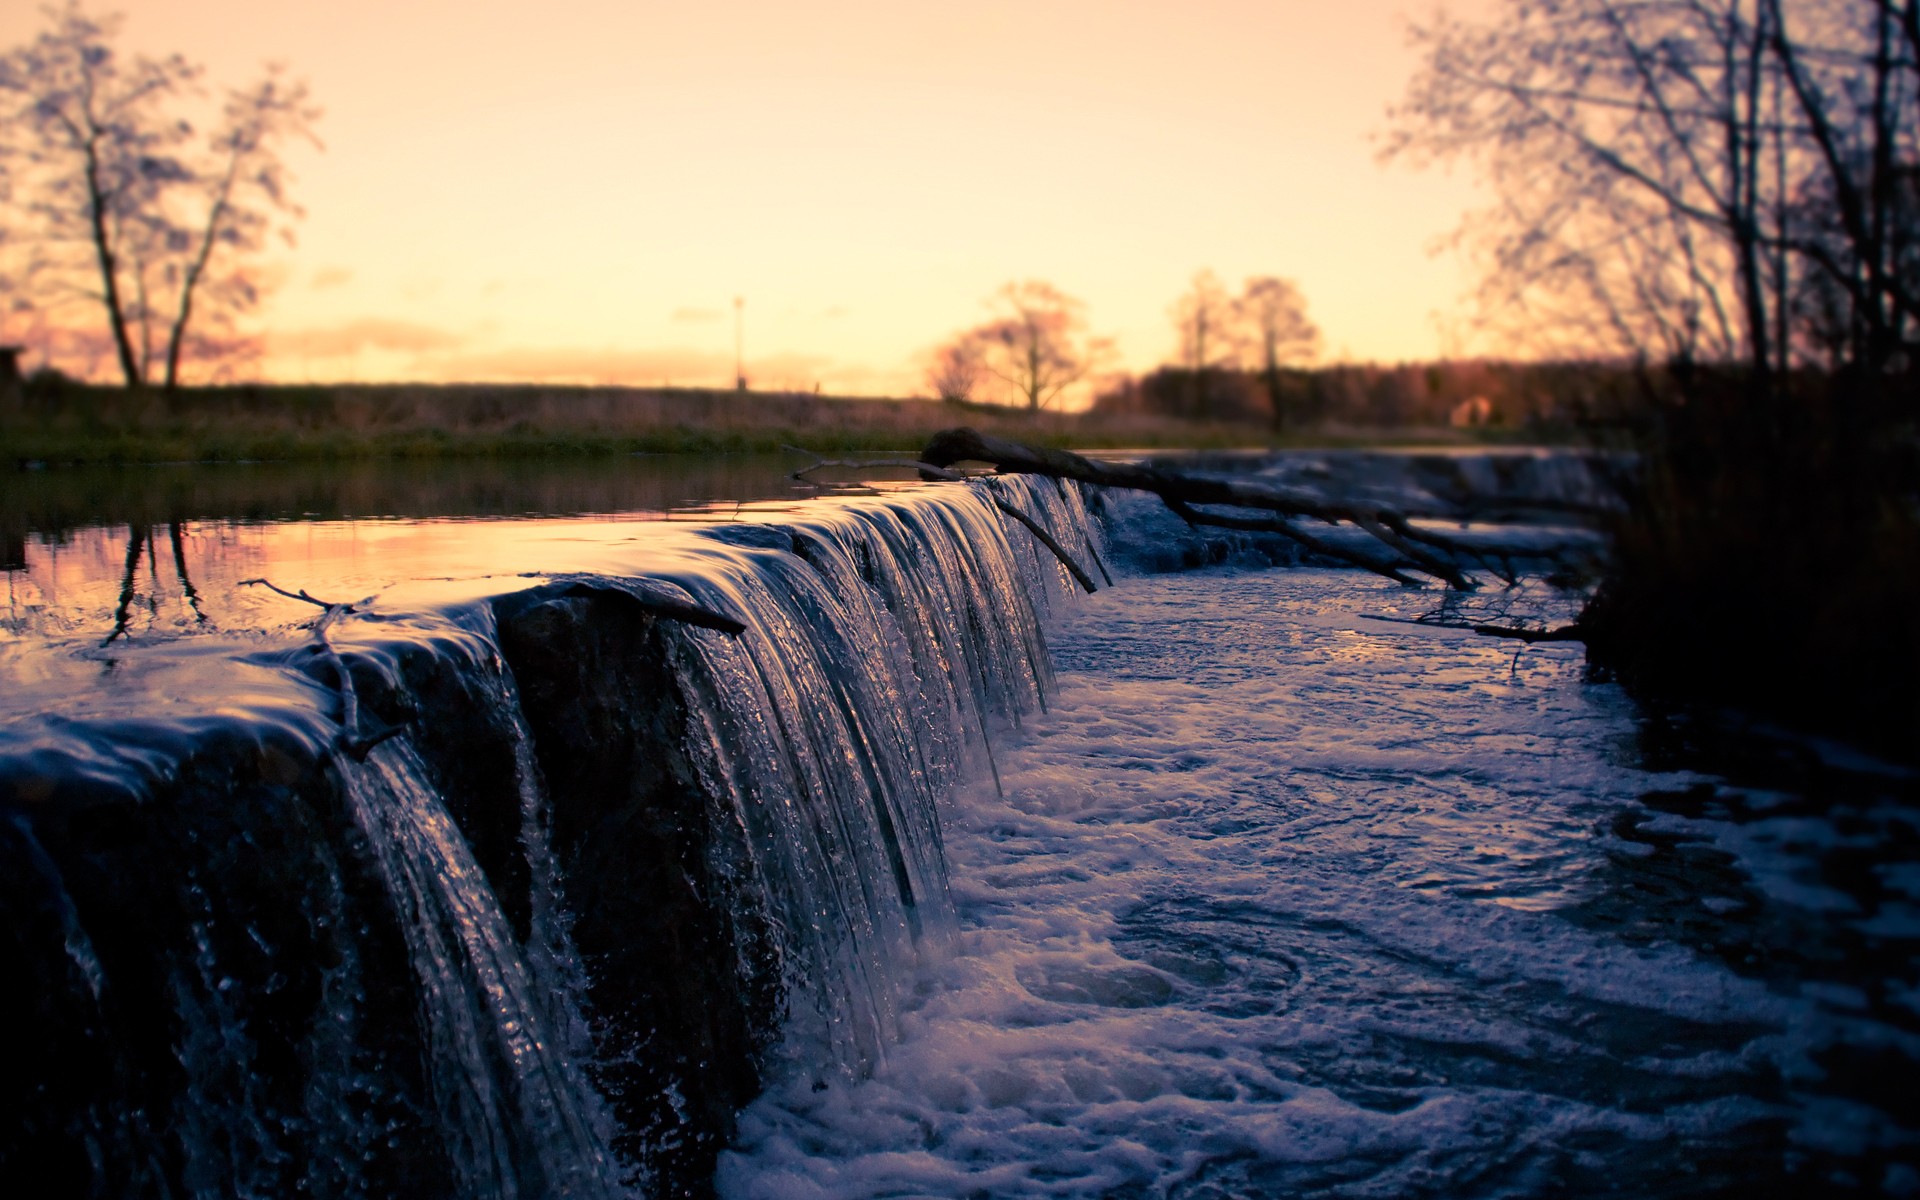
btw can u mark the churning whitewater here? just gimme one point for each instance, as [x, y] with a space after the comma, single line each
[1284, 901]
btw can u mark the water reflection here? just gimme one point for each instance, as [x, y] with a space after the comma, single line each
[111, 555]
[54, 503]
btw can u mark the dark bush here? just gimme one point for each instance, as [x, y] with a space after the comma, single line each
[1769, 557]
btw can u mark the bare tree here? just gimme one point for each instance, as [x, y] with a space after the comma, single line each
[1207, 328]
[242, 189]
[1273, 315]
[1038, 347]
[1207, 324]
[956, 371]
[1260, 330]
[128, 205]
[1672, 174]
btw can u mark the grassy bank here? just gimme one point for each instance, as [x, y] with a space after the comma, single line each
[63, 423]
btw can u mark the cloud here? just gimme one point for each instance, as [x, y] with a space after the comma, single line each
[330, 277]
[368, 333]
[836, 312]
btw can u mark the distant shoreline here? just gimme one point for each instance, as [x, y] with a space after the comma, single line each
[62, 423]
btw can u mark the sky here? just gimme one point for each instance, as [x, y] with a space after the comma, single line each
[578, 191]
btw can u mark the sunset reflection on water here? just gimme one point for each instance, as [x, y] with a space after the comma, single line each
[162, 554]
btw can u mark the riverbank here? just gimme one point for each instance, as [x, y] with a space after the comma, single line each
[1768, 560]
[64, 423]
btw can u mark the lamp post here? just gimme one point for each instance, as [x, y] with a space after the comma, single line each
[739, 342]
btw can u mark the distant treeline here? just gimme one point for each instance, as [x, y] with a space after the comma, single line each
[1548, 395]
[52, 420]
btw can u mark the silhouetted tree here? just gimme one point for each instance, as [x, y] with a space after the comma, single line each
[127, 203]
[1671, 174]
[1273, 315]
[1206, 323]
[956, 371]
[1729, 185]
[1038, 347]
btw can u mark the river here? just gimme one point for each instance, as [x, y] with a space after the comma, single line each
[1240, 877]
[1285, 901]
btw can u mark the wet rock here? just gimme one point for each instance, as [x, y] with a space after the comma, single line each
[683, 993]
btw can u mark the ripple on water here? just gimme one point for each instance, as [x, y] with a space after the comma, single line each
[1280, 901]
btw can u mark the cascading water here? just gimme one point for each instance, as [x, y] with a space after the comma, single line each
[507, 1098]
[545, 940]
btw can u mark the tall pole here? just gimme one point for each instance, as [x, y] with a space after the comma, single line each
[739, 343]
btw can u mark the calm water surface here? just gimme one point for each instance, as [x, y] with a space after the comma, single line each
[159, 551]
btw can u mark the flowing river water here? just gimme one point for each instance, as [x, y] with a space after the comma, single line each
[938, 879]
[1281, 900]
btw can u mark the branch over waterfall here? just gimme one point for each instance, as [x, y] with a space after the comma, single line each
[1046, 539]
[1411, 550]
[355, 744]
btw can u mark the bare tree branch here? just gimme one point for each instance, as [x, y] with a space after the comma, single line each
[1384, 523]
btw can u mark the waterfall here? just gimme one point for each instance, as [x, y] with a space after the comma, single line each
[505, 1094]
[547, 940]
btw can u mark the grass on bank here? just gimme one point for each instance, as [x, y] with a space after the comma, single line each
[59, 423]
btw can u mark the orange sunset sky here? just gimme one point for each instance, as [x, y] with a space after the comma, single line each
[576, 190]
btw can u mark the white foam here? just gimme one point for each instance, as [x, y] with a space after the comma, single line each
[1278, 898]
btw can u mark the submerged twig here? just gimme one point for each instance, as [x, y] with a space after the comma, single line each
[927, 470]
[351, 741]
[1565, 633]
[1573, 632]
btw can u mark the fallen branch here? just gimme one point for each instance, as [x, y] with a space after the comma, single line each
[927, 470]
[1194, 516]
[1386, 525]
[941, 474]
[351, 741]
[1093, 552]
[1565, 633]
[1046, 539]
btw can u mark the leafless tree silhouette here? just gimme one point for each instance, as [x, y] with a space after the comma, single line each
[128, 205]
[1207, 325]
[956, 371]
[1037, 347]
[1277, 332]
[1683, 178]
